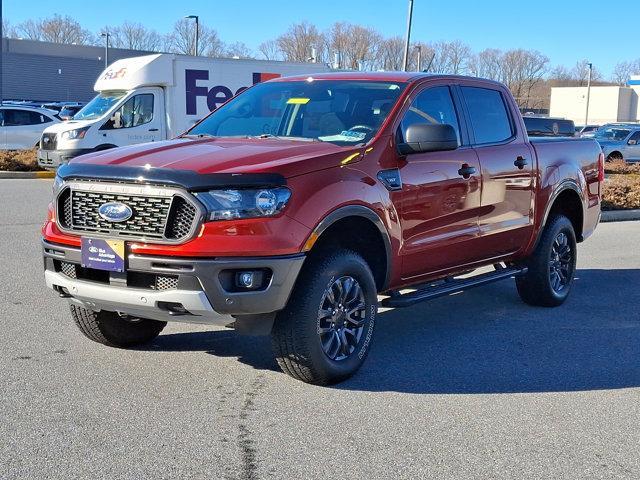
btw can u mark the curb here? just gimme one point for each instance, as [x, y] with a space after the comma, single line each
[26, 175]
[620, 215]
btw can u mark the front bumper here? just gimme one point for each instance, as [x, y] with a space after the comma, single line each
[198, 285]
[52, 159]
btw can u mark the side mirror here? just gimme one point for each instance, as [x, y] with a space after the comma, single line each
[427, 137]
[632, 142]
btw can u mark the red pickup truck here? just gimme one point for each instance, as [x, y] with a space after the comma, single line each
[292, 207]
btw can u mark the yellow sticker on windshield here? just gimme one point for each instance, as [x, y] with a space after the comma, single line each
[298, 101]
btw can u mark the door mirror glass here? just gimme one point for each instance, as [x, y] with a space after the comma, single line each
[632, 142]
[425, 137]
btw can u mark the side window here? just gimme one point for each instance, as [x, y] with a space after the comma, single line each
[635, 138]
[36, 118]
[433, 105]
[136, 111]
[489, 116]
[16, 118]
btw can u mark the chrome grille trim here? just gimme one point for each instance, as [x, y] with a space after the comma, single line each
[122, 189]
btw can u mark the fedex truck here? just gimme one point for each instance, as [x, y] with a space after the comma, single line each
[156, 97]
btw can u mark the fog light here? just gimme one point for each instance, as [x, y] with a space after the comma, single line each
[245, 279]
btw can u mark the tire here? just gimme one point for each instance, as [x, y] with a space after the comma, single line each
[548, 280]
[310, 343]
[112, 330]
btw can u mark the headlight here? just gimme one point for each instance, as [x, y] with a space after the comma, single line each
[76, 134]
[57, 185]
[232, 204]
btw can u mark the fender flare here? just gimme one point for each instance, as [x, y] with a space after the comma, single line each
[567, 184]
[364, 212]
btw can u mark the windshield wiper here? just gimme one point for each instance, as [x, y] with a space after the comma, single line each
[197, 135]
[279, 137]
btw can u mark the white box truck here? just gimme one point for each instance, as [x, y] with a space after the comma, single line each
[153, 98]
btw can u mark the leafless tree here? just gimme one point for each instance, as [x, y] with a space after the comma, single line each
[182, 40]
[134, 36]
[8, 31]
[487, 64]
[522, 70]
[56, 29]
[238, 50]
[270, 50]
[623, 71]
[297, 42]
[580, 73]
[390, 54]
[458, 55]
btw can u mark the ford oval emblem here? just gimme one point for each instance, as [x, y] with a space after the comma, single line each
[115, 212]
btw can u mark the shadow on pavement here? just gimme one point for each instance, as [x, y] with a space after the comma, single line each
[485, 341]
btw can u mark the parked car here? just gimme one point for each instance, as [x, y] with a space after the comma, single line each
[156, 97]
[21, 127]
[549, 127]
[290, 208]
[620, 141]
[587, 131]
[69, 110]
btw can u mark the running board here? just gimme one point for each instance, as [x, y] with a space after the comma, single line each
[449, 287]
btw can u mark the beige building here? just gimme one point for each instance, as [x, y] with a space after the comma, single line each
[606, 104]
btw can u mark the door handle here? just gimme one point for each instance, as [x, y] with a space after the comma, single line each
[466, 171]
[153, 129]
[520, 162]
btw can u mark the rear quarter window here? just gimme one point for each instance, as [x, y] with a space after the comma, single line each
[489, 116]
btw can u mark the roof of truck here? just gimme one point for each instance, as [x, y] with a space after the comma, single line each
[401, 77]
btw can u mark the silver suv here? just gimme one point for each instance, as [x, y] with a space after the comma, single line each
[620, 141]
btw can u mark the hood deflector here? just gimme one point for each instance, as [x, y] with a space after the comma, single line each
[190, 180]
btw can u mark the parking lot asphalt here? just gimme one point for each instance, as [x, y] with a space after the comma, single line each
[476, 385]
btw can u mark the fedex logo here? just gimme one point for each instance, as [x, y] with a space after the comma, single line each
[112, 75]
[216, 95]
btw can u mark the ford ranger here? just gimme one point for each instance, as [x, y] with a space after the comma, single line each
[303, 203]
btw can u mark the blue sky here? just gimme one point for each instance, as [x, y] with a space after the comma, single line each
[564, 31]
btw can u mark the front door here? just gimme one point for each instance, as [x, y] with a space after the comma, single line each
[139, 119]
[632, 150]
[440, 196]
[506, 217]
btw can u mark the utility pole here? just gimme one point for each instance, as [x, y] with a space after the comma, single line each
[405, 59]
[197, 19]
[419, 49]
[586, 117]
[106, 35]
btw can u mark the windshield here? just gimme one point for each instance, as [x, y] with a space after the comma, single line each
[612, 133]
[100, 104]
[337, 111]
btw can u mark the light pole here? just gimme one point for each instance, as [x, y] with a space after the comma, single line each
[586, 117]
[419, 49]
[197, 19]
[106, 35]
[405, 59]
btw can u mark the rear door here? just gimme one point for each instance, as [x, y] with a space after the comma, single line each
[139, 119]
[506, 214]
[438, 204]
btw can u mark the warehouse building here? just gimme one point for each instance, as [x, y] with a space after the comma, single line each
[606, 104]
[43, 71]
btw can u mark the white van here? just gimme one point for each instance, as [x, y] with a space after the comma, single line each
[156, 97]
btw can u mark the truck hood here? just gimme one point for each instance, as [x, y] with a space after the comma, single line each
[68, 125]
[229, 155]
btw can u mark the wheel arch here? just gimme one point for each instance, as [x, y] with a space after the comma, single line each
[567, 199]
[372, 239]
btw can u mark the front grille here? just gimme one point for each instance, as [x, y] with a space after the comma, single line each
[168, 217]
[166, 282]
[48, 141]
